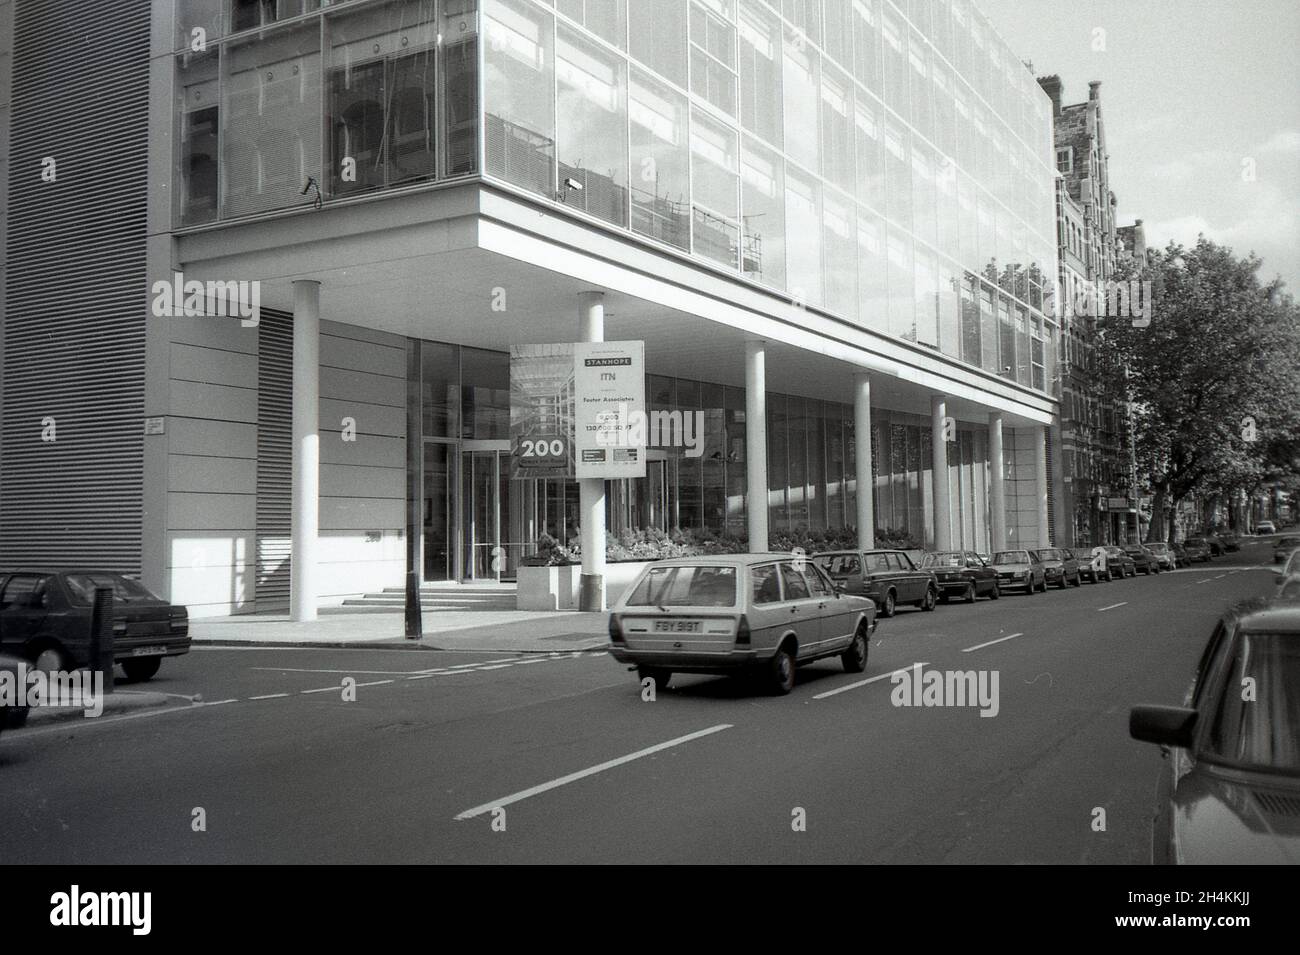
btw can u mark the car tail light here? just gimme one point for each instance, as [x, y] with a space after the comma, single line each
[742, 631]
[615, 629]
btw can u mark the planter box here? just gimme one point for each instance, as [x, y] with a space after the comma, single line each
[556, 588]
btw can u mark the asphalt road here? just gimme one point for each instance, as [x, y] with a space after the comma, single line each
[531, 752]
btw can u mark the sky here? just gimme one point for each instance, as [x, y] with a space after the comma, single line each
[1196, 96]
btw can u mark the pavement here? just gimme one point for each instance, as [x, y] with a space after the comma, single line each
[520, 631]
[337, 755]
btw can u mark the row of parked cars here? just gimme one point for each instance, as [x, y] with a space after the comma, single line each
[766, 614]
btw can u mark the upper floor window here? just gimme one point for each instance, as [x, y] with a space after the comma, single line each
[248, 14]
[1065, 160]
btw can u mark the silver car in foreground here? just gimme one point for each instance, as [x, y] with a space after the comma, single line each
[761, 614]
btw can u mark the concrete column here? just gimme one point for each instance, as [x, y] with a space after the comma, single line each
[941, 491]
[591, 491]
[1040, 484]
[305, 519]
[997, 485]
[756, 444]
[866, 515]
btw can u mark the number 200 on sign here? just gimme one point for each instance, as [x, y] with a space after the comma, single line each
[542, 449]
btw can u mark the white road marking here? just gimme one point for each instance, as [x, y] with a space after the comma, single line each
[1220, 577]
[270, 696]
[348, 672]
[1122, 603]
[218, 702]
[584, 773]
[376, 683]
[324, 689]
[499, 666]
[874, 679]
[981, 646]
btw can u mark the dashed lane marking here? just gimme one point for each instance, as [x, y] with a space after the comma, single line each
[1122, 603]
[591, 771]
[874, 679]
[981, 646]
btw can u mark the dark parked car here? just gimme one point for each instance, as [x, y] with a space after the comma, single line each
[886, 576]
[45, 618]
[1120, 562]
[962, 573]
[1231, 542]
[1284, 548]
[1060, 566]
[12, 717]
[1197, 550]
[1216, 545]
[1230, 785]
[1144, 561]
[1020, 568]
[1093, 565]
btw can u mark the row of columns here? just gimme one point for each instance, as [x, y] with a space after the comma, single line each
[591, 328]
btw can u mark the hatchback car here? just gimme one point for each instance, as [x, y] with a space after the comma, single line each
[738, 613]
[889, 577]
[1164, 554]
[962, 573]
[1229, 792]
[1265, 527]
[1121, 562]
[46, 617]
[1020, 568]
[1060, 566]
[1095, 567]
[1286, 546]
[1197, 550]
[1144, 561]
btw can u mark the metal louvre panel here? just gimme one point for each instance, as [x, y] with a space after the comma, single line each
[76, 305]
[1051, 485]
[274, 459]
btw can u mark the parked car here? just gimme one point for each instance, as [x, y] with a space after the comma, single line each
[1286, 546]
[12, 716]
[1019, 568]
[1229, 787]
[1292, 566]
[961, 573]
[1265, 527]
[1121, 561]
[1060, 566]
[889, 577]
[1165, 554]
[738, 613]
[45, 618]
[1231, 542]
[1144, 561]
[1215, 543]
[1197, 550]
[1094, 566]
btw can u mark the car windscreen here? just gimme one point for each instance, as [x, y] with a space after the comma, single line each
[1051, 553]
[1257, 721]
[1011, 557]
[688, 586]
[943, 560]
[83, 585]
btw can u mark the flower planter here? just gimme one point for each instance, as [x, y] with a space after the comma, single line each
[556, 588]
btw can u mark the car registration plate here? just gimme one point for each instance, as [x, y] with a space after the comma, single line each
[148, 651]
[678, 626]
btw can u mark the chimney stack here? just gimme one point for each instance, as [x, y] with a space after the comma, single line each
[1052, 87]
[1094, 90]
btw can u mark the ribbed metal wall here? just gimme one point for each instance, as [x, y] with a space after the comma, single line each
[274, 458]
[74, 328]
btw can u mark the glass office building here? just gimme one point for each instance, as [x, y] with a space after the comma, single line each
[881, 171]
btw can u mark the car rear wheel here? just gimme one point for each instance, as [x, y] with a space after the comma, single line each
[49, 659]
[969, 596]
[137, 671]
[930, 599]
[855, 657]
[996, 592]
[781, 672]
[1078, 580]
[887, 610]
[1064, 583]
[660, 677]
[1029, 588]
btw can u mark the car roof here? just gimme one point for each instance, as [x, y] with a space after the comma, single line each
[741, 560]
[1268, 614]
[871, 550]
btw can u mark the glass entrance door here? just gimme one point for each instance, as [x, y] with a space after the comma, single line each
[439, 522]
[485, 499]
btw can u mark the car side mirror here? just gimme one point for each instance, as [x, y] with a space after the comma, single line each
[1164, 725]
[841, 586]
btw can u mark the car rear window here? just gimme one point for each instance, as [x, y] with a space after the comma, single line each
[689, 586]
[1011, 557]
[1263, 731]
[83, 587]
[1050, 553]
[942, 560]
[839, 565]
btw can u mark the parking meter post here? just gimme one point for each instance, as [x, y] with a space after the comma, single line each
[101, 636]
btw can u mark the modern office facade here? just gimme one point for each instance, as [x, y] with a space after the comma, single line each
[832, 224]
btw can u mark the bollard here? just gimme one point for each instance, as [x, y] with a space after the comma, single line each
[414, 622]
[589, 592]
[101, 636]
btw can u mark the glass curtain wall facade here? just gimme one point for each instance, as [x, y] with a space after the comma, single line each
[904, 144]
